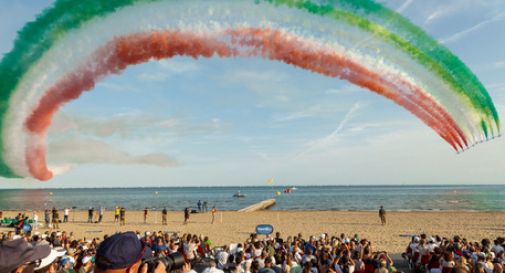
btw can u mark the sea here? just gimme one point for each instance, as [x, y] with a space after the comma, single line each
[342, 198]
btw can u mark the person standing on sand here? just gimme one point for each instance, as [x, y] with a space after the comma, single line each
[56, 219]
[186, 215]
[122, 216]
[35, 218]
[90, 215]
[101, 211]
[116, 214]
[164, 216]
[213, 211]
[382, 215]
[65, 215]
[46, 218]
[146, 210]
[205, 209]
[199, 204]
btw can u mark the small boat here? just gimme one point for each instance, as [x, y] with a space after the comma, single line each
[239, 195]
[289, 189]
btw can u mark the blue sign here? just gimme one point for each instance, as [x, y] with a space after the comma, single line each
[264, 229]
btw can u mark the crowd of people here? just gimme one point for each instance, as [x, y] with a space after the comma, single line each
[136, 251]
[143, 251]
[455, 255]
[52, 216]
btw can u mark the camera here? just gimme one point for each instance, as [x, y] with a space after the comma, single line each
[174, 261]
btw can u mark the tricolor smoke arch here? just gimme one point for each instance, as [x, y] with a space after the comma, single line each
[74, 44]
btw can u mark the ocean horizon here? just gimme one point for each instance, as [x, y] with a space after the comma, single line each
[322, 197]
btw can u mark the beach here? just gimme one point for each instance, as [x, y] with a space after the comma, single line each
[232, 226]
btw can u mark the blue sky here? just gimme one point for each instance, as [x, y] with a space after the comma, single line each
[216, 122]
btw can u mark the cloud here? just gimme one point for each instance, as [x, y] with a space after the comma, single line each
[166, 69]
[457, 36]
[405, 5]
[127, 125]
[258, 81]
[78, 151]
[153, 77]
[179, 66]
[330, 140]
[499, 64]
[115, 87]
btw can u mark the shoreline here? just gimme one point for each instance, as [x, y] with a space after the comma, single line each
[232, 226]
[60, 209]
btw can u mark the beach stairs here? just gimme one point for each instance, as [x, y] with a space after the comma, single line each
[263, 205]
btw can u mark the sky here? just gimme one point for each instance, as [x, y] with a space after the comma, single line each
[220, 122]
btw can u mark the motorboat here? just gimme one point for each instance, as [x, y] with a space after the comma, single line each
[238, 194]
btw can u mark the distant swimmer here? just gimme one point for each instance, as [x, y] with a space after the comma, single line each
[382, 215]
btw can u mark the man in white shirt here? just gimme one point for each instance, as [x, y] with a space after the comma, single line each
[65, 215]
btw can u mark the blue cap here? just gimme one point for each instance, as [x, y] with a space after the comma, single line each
[120, 251]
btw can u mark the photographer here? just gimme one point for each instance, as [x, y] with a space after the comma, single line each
[124, 252]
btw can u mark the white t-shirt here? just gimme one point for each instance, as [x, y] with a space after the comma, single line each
[222, 259]
[189, 250]
[65, 212]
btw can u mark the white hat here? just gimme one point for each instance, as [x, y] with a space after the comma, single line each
[55, 253]
[416, 239]
[58, 233]
[15, 237]
[148, 233]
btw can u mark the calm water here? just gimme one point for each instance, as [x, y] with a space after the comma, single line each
[486, 198]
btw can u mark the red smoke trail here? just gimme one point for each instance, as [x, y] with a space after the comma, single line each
[275, 45]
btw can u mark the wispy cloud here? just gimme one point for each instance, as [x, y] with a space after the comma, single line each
[167, 69]
[331, 139]
[259, 81]
[115, 87]
[127, 125]
[457, 36]
[77, 151]
[405, 5]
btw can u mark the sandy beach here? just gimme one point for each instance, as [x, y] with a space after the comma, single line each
[231, 226]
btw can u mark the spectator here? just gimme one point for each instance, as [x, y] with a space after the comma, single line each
[20, 256]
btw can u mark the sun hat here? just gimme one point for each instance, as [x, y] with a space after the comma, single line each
[55, 253]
